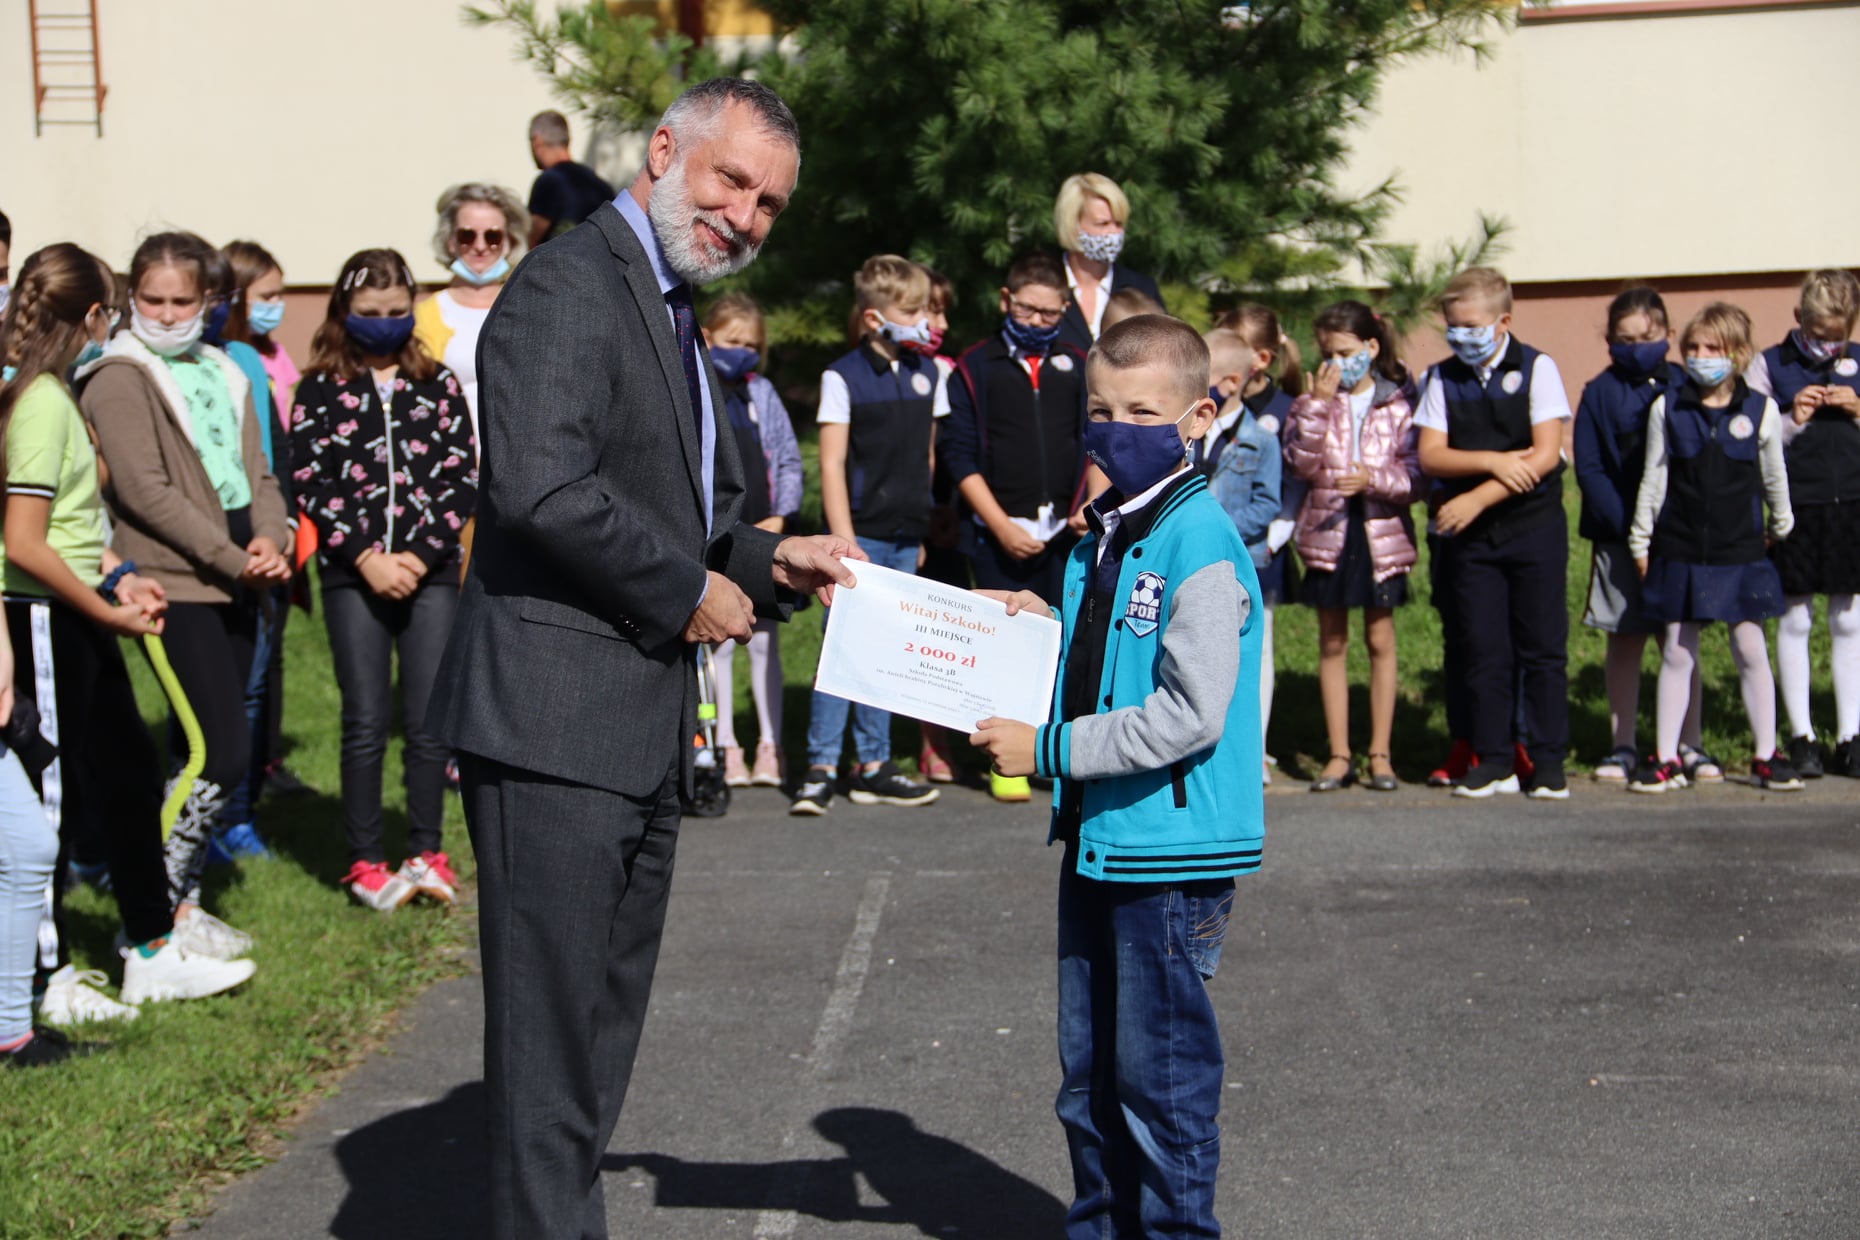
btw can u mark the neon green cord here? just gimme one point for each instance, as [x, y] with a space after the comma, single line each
[190, 727]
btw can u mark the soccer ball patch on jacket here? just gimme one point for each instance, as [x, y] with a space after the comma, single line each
[1145, 606]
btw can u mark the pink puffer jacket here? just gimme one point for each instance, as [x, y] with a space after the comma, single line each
[1317, 449]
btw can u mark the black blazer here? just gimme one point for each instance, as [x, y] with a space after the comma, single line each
[566, 657]
[1075, 331]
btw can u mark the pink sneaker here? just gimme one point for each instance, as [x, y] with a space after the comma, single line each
[735, 771]
[431, 876]
[767, 772]
[375, 885]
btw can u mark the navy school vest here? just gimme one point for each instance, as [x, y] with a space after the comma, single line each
[888, 463]
[1495, 416]
[1824, 462]
[1713, 512]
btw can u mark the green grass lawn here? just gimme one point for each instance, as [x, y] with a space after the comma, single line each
[129, 1140]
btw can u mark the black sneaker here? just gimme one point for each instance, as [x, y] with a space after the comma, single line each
[1847, 759]
[813, 796]
[282, 781]
[1776, 773]
[1656, 776]
[1548, 783]
[1486, 780]
[1805, 757]
[888, 786]
[48, 1047]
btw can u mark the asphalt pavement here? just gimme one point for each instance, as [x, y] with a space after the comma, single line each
[1612, 1017]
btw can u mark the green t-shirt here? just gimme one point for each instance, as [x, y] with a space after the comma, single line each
[49, 455]
[216, 426]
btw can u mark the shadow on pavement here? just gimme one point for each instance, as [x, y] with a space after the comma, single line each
[938, 1186]
[417, 1174]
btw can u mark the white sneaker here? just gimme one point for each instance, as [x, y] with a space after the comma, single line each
[380, 888]
[431, 876]
[203, 934]
[71, 998]
[174, 972]
[1266, 771]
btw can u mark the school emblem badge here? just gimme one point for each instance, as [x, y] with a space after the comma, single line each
[1513, 380]
[920, 383]
[1742, 427]
[1847, 368]
[1270, 424]
[1060, 361]
[1145, 608]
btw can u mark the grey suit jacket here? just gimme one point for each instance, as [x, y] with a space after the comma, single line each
[566, 656]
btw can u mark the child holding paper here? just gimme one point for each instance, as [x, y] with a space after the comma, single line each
[1155, 753]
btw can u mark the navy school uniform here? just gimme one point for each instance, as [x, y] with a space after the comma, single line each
[1504, 575]
[1019, 422]
[888, 458]
[1706, 560]
[1611, 451]
[1822, 555]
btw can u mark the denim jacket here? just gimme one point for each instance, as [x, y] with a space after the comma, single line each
[1245, 479]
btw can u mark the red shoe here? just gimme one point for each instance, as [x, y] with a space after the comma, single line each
[1521, 764]
[933, 759]
[1454, 769]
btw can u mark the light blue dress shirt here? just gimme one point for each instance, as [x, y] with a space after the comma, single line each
[636, 219]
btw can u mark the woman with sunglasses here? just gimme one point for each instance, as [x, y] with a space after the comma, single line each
[481, 229]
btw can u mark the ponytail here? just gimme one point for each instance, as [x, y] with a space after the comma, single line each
[1259, 327]
[1356, 319]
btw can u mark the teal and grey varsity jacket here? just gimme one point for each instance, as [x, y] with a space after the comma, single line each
[1166, 772]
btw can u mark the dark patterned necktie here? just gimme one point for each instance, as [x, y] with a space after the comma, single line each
[684, 325]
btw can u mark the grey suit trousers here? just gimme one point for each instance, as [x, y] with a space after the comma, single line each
[572, 890]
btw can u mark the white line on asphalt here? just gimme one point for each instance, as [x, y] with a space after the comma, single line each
[779, 1219]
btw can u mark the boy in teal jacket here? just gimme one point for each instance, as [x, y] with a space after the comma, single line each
[1155, 755]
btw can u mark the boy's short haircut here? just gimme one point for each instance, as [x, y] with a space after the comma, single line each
[1041, 269]
[1071, 204]
[1227, 352]
[1729, 325]
[1831, 294]
[1156, 340]
[1486, 283]
[890, 282]
[1130, 302]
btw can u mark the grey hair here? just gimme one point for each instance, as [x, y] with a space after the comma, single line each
[693, 116]
[516, 217]
[551, 127]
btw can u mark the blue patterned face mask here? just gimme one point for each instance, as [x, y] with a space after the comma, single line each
[1102, 247]
[1816, 349]
[1026, 337]
[1473, 345]
[1350, 370]
[1709, 372]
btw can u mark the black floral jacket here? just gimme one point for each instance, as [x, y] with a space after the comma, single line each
[406, 481]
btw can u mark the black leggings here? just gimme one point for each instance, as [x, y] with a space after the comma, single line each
[210, 647]
[107, 781]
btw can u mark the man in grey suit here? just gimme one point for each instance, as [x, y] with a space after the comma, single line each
[607, 546]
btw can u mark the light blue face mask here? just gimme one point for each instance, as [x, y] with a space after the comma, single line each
[906, 333]
[1709, 372]
[1473, 345]
[86, 355]
[478, 279]
[1350, 370]
[265, 316]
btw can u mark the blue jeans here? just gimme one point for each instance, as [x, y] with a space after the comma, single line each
[826, 725]
[1140, 1053]
[242, 797]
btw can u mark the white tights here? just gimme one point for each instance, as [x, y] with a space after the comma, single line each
[1623, 681]
[764, 685]
[1792, 662]
[1679, 660]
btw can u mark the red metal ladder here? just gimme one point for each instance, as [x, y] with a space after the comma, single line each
[67, 73]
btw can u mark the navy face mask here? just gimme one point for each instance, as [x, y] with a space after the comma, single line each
[1028, 338]
[379, 337]
[733, 364]
[1638, 360]
[1133, 456]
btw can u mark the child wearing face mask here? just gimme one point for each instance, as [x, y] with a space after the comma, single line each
[1012, 446]
[198, 510]
[1610, 452]
[1699, 539]
[384, 463]
[737, 337]
[1352, 441]
[1154, 751]
[1814, 377]
[69, 599]
[879, 405]
[1491, 434]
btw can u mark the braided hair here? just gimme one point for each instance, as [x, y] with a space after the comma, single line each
[44, 328]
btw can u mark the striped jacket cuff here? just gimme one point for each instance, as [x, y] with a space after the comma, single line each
[1052, 751]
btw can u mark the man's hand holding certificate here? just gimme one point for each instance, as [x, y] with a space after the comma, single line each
[936, 652]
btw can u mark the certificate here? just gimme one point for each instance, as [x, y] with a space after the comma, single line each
[935, 652]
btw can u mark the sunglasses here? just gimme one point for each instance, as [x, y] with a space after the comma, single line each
[468, 237]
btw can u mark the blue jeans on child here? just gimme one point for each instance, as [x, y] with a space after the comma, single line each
[1140, 1053]
[826, 724]
[28, 849]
